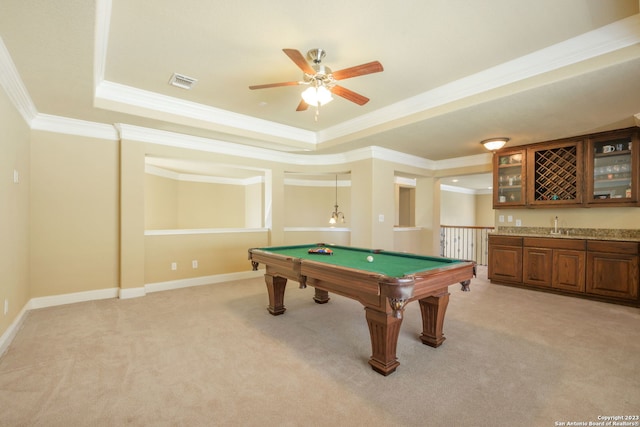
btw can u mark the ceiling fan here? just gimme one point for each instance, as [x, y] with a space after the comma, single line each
[322, 81]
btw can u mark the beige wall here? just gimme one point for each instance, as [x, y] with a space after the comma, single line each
[457, 208]
[206, 205]
[327, 235]
[215, 253]
[160, 202]
[311, 206]
[466, 209]
[254, 206]
[484, 210]
[179, 204]
[14, 212]
[74, 214]
[616, 218]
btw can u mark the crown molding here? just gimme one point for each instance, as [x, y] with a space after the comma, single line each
[454, 189]
[57, 124]
[161, 137]
[405, 182]
[126, 99]
[14, 87]
[164, 173]
[101, 40]
[317, 183]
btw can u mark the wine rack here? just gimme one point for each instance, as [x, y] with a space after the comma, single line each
[556, 174]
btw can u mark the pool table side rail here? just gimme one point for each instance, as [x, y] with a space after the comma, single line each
[278, 265]
[443, 277]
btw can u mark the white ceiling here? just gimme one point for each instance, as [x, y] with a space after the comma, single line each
[455, 72]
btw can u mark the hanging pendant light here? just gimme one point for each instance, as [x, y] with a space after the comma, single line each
[336, 215]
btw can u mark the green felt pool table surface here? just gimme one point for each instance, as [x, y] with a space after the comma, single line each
[388, 263]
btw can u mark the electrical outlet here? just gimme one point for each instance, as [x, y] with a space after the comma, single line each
[510, 218]
[500, 218]
[518, 222]
[174, 266]
[16, 177]
[194, 263]
[380, 218]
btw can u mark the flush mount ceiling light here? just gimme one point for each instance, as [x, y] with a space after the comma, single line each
[494, 144]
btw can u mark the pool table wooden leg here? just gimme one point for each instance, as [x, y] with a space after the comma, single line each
[384, 329]
[321, 296]
[275, 287]
[433, 309]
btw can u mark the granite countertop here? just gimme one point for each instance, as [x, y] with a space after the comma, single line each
[626, 235]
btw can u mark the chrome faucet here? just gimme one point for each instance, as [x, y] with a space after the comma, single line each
[555, 226]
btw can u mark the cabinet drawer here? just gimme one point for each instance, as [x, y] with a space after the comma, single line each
[608, 246]
[555, 243]
[505, 240]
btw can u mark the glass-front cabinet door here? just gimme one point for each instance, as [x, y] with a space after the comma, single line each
[509, 178]
[612, 169]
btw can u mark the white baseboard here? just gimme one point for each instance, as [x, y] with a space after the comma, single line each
[54, 300]
[199, 281]
[127, 293]
[12, 330]
[42, 302]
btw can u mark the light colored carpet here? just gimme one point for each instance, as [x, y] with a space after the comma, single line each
[213, 356]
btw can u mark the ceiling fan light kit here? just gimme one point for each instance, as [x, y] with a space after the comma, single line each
[322, 81]
[317, 96]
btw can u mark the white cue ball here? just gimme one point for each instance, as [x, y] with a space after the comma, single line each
[370, 258]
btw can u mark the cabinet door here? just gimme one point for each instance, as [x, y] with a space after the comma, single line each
[569, 270]
[536, 266]
[613, 275]
[505, 263]
[509, 178]
[555, 174]
[612, 169]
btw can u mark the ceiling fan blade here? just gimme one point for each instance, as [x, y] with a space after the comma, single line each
[299, 60]
[274, 85]
[358, 70]
[349, 95]
[302, 106]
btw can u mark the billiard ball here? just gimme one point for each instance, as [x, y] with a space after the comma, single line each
[370, 258]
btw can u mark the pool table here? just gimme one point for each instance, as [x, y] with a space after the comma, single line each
[383, 286]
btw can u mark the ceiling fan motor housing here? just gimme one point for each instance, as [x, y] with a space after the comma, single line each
[316, 55]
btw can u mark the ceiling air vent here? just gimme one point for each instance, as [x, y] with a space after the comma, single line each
[182, 81]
